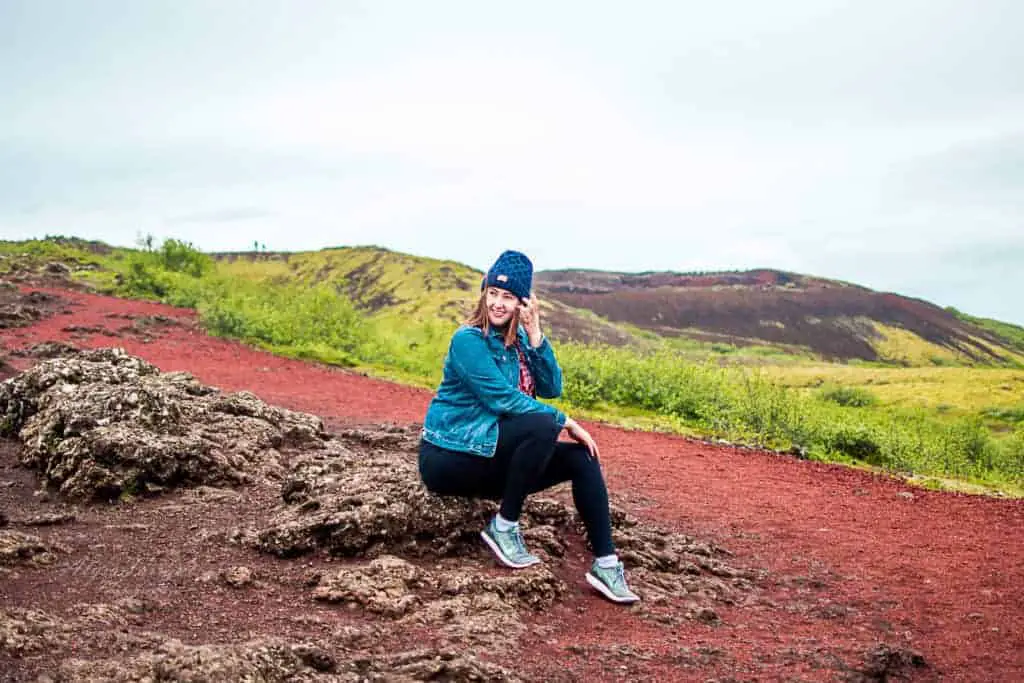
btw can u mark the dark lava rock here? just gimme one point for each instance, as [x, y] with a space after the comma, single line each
[101, 423]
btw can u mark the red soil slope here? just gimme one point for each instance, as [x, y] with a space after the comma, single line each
[850, 559]
[773, 307]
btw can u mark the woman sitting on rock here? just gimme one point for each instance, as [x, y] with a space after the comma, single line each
[485, 434]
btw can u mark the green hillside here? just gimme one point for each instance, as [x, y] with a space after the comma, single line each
[395, 288]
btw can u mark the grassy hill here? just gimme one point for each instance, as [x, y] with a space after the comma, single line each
[398, 288]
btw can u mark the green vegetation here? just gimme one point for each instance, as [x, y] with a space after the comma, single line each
[312, 323]
[745, 405]
[393, 315]
[1012, 335]
[853, 397]
[32, 254]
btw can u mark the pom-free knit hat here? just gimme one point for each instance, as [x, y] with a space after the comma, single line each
[512, 271]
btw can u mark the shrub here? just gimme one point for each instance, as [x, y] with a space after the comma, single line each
[169, 274]
[850, 397]
[143, 279]
[855, 441]
[969, 440]
[312, 322]
[1010, 454]
[182, 257]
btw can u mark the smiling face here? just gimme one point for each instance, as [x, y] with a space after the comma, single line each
[501, 306]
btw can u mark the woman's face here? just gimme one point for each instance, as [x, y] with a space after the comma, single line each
[501, 306]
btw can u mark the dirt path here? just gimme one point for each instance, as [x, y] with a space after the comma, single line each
[850, 559]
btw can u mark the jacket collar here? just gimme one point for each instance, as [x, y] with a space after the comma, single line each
[498, 334]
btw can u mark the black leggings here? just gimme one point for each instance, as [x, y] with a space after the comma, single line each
[529, 458]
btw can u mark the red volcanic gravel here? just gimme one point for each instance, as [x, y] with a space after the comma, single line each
[850, 559]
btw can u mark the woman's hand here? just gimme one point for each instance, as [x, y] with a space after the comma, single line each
[582, 436]
[529, 318]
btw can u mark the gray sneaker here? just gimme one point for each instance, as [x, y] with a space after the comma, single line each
[611, 583]
[508, 546]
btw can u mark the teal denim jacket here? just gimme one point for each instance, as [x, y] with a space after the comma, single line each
[480, 385]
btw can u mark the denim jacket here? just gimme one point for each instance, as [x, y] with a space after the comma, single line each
[480, 384]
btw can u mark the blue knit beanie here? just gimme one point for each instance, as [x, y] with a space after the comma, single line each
[512, 271]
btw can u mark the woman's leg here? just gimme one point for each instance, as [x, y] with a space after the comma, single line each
[572, 462]
[526, 444]
[450, 473]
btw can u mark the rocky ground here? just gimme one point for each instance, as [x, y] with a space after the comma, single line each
[177, 507]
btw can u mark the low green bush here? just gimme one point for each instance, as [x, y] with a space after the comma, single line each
[1013, 414]
[182, 257]
[855, 441]
[852, 397]
[311, 322]
[171, 274]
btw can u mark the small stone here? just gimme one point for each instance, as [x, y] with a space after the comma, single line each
[207, 577]
[976, 616]
[238, 577]
[907, 495]
[315, 658]
[57, 268]
[51, 519]
[135, 605]
[707, 615]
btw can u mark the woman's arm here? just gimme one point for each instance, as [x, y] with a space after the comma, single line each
[472, 361]
[547, 374]
[581, 435]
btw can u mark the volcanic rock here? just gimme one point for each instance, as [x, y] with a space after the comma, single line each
[17, 548]
[100, 424]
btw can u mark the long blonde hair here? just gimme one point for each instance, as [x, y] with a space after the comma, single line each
[479, 319]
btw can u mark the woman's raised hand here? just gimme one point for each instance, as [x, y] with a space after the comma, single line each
[529, 318]
[582, 436]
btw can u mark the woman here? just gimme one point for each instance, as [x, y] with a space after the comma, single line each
[486, 435]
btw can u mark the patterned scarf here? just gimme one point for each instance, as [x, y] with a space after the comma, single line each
[526, 383]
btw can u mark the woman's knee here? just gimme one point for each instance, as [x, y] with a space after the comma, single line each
[429, 474]
[579, 461]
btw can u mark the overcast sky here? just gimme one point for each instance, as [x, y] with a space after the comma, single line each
[875, 141]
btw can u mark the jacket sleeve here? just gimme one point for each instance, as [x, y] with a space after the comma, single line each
[547, 374]
[473, 363]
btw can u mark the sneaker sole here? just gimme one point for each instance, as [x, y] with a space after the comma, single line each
[607, 592]
[501, 556]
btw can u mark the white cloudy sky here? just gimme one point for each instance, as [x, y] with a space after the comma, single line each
[877, 141]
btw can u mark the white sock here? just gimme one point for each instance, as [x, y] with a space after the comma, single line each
[503, 524]
[608, 561]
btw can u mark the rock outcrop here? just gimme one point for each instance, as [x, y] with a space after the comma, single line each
[99, 424]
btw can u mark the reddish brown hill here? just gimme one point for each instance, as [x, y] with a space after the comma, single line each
[834, 319]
